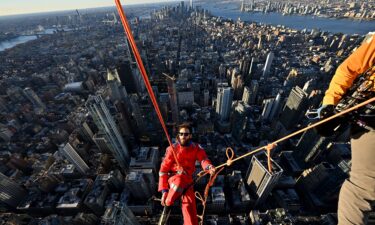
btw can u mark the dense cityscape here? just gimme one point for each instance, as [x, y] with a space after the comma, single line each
[360, 10]
[80, 142]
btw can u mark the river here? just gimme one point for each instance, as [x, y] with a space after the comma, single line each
[15, 41]
[346, 26]
[231, 11]
[23, 39]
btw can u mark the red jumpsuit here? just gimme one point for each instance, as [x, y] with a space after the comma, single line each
[170, 178]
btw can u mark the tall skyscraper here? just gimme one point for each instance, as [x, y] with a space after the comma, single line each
[267, 66]
[137, 113]
[34, 98]
[245, 64]
[260, 46]
[137, 184]
[310, 147]
[138, 80]
[276, 106]
[163, 104]
[11, 193]
[251, 69]
[73, 157]
[250, 93]
[105, 122]
[117, 91]
[172, 97]
[292, 111]
[267, 108]
[86, 132]
[240, 119]
[259, 179]
[101, 141]
[320, 184]
[191, 4]
[206, 97]
[237, 83]
[224, 101]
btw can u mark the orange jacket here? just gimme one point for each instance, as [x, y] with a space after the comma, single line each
[358, 62]
[186, 157]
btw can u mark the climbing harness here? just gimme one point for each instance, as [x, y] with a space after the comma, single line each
[229, 151]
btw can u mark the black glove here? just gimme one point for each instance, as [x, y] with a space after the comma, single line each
[328, 128]
[326, 111]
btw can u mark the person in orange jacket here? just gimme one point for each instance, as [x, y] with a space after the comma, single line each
[357, 194]
[175, 182]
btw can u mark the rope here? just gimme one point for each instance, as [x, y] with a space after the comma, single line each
[203, 198]
[230, 153]
[142, 69]
[309, 127]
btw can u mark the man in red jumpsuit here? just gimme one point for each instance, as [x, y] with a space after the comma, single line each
[173, 180]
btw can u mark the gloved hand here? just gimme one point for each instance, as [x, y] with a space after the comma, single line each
[326, 111]
[328, 128]
[211, 169]
[164, 197]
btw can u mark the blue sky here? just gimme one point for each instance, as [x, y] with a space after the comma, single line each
[11, 7]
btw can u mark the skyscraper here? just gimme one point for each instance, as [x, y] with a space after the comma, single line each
[86, 132]
[137, 184]
[137, 78]
[140, 123]
[72, 156]
[105, 122]
[117, 91]
[260, 46]
[259, 179]
[101, 141]
[239, 120]
[309, 148]
[34, 98]
[245, 64]
[292, 111]
[206, 97]
[173, 97]
[276, 106]
[267, 66]
[119, 214]
[267, 108]
[147, 158]
[224, 101]
[251, 69]
[163, 104]
[250, 93]
[11, 193]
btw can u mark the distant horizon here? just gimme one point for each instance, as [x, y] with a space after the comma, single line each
[101, 5]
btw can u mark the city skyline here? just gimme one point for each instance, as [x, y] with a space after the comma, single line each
[81, 143]
[18, 7]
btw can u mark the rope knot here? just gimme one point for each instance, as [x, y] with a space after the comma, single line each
[269, 148]
[230, 155]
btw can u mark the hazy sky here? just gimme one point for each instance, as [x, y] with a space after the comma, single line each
[10, 7]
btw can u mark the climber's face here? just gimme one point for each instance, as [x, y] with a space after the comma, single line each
[184, 136]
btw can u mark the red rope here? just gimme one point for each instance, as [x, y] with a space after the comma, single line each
[142, 69]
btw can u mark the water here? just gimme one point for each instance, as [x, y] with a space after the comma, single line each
[346, 26]
[24, 38]
[16, 41]
[231, 11]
